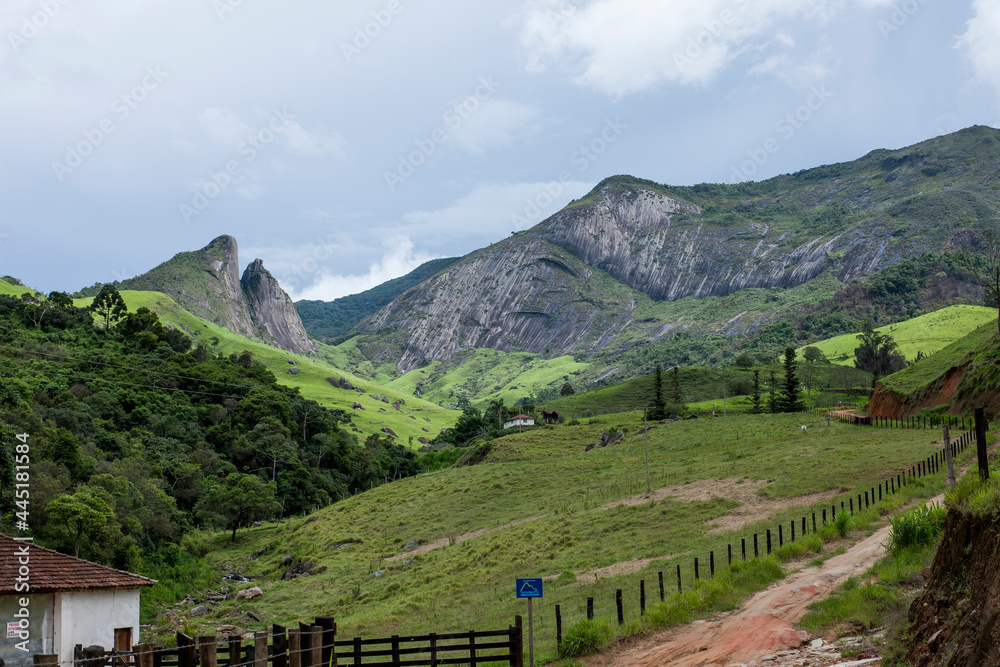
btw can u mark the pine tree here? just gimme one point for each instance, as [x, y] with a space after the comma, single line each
[790, 399]
[659, 409]
[756, 393]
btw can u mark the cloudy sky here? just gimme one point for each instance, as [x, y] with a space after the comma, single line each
[345, 143]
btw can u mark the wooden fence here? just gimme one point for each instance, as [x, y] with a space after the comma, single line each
[316, 645]
[765, 543]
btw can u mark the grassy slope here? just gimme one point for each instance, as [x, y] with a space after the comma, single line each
[13, 290]
[543, 472]
[488, 375]
[701, 388]
[415, 416]
[919, 375]
[927, 333]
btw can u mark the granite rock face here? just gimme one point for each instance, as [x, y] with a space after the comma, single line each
[207, 283]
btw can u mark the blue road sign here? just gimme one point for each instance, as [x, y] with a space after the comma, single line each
[529, 588]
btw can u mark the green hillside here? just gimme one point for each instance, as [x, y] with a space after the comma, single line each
[567, 526]
[325, 320]
[415, 419]
[702, 389]
[926, 333]
[925, 372]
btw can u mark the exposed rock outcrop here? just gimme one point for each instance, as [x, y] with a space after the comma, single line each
[207, 283]
[956, 621]
[274, 310]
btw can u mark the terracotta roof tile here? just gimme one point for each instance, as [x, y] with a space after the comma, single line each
[52, 571]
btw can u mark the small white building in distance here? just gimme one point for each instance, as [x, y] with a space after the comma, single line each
[69, 601]
[519, 420]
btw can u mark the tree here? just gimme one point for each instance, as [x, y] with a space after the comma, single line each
[812, 354]
[744, 361]
[83, 513]
[790, 399]
[877, 352]
[239, 500]
[658, 410]
[109, 305]
[567, 390]
[845, 377]
[987, 270]
[756, 393]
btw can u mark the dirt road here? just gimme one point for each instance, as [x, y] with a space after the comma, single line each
[762, 626]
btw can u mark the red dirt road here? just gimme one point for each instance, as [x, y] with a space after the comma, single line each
[762, 626]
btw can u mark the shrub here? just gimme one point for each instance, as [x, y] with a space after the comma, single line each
[585, 637]
[843, 523]
[919, 526]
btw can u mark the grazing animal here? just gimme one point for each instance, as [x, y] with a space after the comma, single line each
[805, 431]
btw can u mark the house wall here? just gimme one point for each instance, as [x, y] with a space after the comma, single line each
[40, 630]
[90, 617]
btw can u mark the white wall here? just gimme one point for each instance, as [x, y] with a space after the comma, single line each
[40, 630]
[91, 616]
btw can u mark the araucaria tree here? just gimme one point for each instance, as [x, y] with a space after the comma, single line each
[109, 305]
[678, 396]
[790, 399]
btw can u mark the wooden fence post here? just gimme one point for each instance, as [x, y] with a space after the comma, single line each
[260, 649]
[642, 597]
[235, 650]
[208, 652]
[756, 551]
[743, 547]
[316, 646]
[590, 609]
[516, 644]
[395, 657]
[984, 462]
[329, 625]
[696, 568]
[473, 658]
[294, 648]
[279, 646]
[186, 651]
[618, 603]
[143, 655]
[678, 577]
[558, 630]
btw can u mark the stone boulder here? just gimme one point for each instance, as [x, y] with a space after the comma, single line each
[389, 431]
[302, 569]
[248, 593]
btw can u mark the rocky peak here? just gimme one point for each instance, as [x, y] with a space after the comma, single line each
[207, 283]
[272, 308]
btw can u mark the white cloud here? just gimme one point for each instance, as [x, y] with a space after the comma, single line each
[981, 44]
[628, 46]
[495, 124]
[320, 142]
[223, 127]
[397, 260]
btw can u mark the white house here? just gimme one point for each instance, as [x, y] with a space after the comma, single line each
[519, 420]
[65, 601]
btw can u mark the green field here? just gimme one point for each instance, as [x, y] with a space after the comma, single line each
[703, 388]
[415, 419]
[545, 473]
[927, 333]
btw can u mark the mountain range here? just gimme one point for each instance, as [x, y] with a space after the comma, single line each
[637, 273]
[610, 271]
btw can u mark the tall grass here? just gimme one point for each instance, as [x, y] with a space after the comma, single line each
[919, 526]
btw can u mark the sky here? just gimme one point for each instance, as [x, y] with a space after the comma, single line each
[346, 143]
